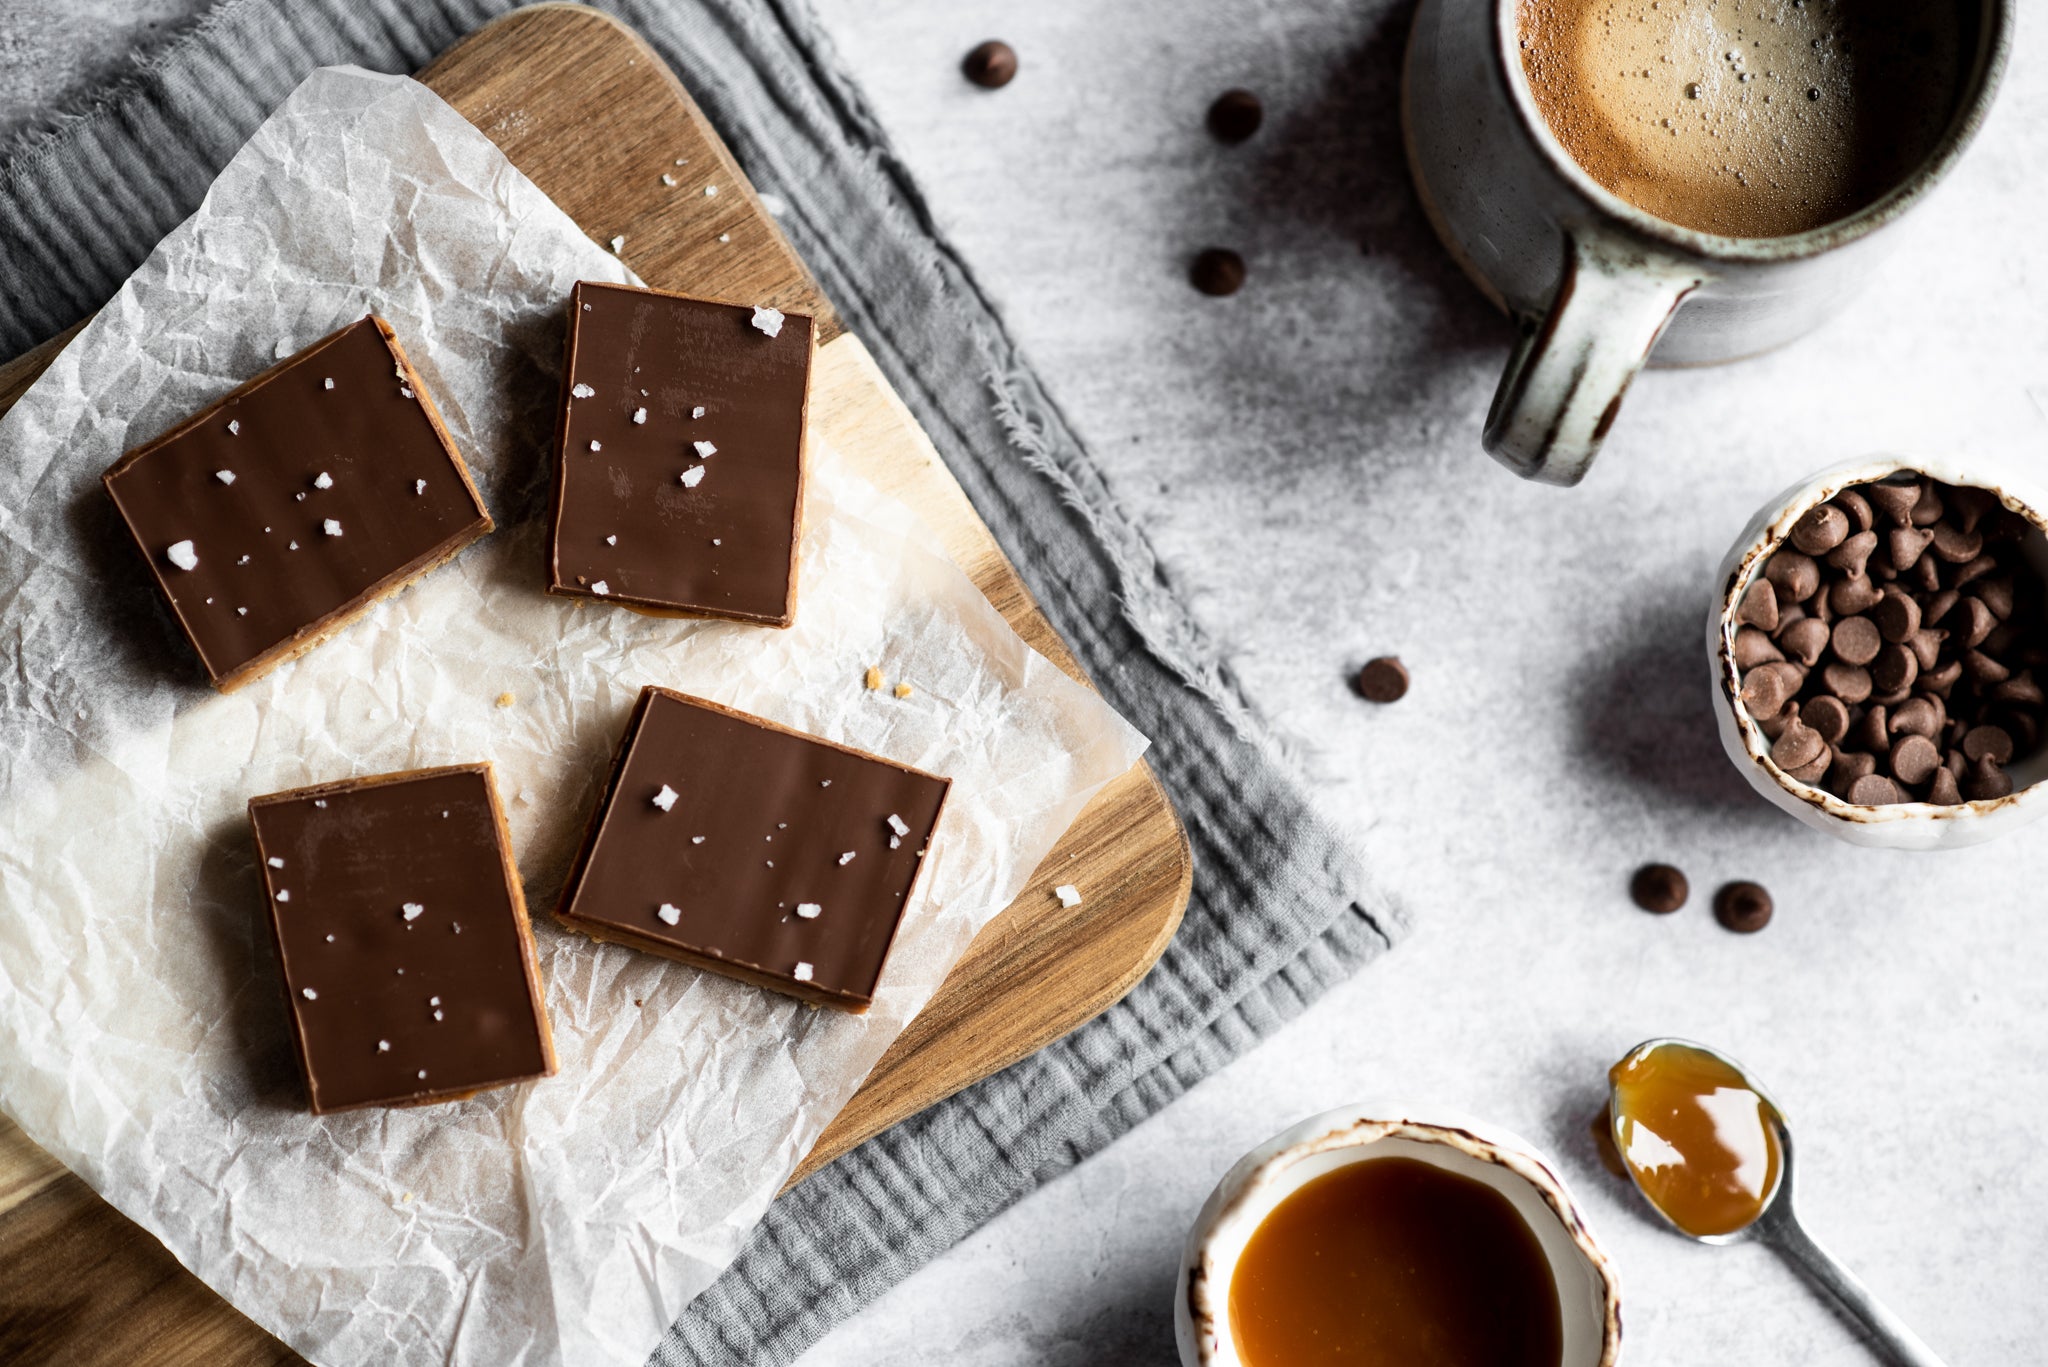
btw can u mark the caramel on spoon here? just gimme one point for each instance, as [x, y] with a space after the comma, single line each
[1711, 1152]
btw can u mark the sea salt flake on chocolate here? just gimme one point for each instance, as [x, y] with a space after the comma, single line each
[846, 859]
[808, 910]
[896, 824]
[224, 476]
[639, 415]
[693, 476]
[802, 973]
[597, 446]
[600, 588]
[323, 480]
[768, 320]
[1069, 895]
[234, 427]
[274, 862]
[666, 798]
[669, 912]
[618, 243]
[327, 384]
[583, 391]
[611, 541]
[667, 179]
[383, 1046]
[412, 911]
[309, 994]
[705, 450]
[181, 554]
[284, 894]
[698, 411]
[330, 526]
[696, 840]
[419, 486]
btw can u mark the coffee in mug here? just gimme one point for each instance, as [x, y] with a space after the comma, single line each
[1747, 118]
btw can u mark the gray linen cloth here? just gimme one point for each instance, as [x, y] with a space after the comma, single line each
[1281, 908]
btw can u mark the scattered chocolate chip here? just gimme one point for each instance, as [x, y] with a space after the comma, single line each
[1940, 681]
[2021, 688]
[1993, 742]
[1893, 501]
[1828, 716]
[1983, 668]
[1927, 574]
[992, 65]
[1383, 680]
[1986, 781]
[1874, 790]
[1822, 529]
[1659, 888]
[1764, 692]
[1235, 116]
[1743, 907]
[1944, 792]
[1217, 271]
[1814, 769]
[1996, 594]
[1759, 606]
[1972, 572]
[1856, 640]
[1926, 646]
[1913, 760]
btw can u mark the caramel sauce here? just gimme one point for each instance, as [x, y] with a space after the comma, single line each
[1393, 1262]
[1696, 1136]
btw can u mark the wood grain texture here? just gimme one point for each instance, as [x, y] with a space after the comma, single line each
[596, 119]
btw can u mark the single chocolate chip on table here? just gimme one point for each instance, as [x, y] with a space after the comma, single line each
[1217, 272]
[992, 65]
[1235, 116]
[1383, 680]
[1890, 649]
[1659, 888]
[1743, 907]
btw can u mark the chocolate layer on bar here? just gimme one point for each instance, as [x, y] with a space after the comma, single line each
[679, 455]
[752, 850]
[280, 513]
[402, 931]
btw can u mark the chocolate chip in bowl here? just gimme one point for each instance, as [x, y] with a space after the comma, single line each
[1872, 622]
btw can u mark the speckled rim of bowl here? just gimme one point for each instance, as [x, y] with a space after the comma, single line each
[1261, 1180]
[1768, 531]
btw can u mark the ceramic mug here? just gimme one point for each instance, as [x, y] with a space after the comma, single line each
[1589, 1298]
[1899, 825]
[1595, 284]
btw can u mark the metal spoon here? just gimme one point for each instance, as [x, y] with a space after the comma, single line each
[1778, 1224]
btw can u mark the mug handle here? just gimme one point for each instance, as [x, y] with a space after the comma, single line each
[1565, 380]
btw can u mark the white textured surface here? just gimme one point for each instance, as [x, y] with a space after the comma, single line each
[1306, 458]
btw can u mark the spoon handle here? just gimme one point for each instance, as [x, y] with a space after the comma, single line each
[1902, 1344]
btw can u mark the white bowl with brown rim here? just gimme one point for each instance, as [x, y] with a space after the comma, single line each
[1901, 825]
[1589, 1298]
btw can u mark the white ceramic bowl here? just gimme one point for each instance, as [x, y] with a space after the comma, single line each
[1588, 1298]
[1900, 826]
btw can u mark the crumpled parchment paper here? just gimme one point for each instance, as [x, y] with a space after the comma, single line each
[142, 1028]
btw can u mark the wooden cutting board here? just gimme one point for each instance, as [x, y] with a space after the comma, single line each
[587, 110]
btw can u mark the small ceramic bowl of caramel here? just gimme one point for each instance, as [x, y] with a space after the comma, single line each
[1376, 1233]
[1879, 648]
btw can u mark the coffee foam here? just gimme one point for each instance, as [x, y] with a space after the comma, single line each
[1750, 118]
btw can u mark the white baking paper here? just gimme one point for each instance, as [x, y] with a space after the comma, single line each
[142, 1029]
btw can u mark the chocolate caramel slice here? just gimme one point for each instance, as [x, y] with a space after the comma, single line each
[282, 512]
[679, 455]
[399, 922]
[752, 850]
